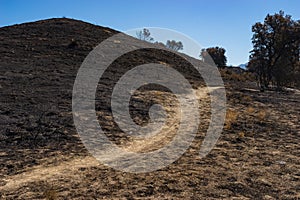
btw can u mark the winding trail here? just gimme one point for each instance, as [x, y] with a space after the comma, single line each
[42, 173]
[71, 167]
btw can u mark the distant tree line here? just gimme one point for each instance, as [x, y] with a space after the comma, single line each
[276, 49]
[212, 54]
[145, 35]
[275, 58]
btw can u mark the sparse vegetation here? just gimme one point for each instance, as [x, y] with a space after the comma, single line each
[241, 135]
[250, 110]
[50, 194]
[144, 35]
[237, 75]
[174, 45]
[261, 115]
[231, 118]
[256, 157]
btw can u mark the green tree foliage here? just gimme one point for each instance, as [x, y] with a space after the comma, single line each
[217, 54]
[276, 50]
[173, 45]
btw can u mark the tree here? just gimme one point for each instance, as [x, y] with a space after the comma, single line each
[276, 47]
[217, 54]
[173, 45]
[144, 35]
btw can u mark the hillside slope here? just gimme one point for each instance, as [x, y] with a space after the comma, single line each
[41, 155]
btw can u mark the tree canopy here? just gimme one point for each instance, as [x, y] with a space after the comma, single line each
[174, 45]
[276, 49]
[217, 54]
[144, 35]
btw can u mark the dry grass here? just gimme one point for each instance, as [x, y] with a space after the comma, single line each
[247, 98]
[241, 135]
[261, 115]
[50, 194]
[250, 110]
[231, 118]
[238, 77]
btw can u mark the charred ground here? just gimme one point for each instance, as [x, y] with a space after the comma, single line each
[257, 156]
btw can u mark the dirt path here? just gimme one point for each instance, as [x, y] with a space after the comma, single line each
[69, 168]
[238, 169]
[169, 130]
[41, 172]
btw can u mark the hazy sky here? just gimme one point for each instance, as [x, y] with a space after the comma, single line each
[225, 23]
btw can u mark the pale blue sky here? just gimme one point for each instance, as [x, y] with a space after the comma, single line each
[225, 23]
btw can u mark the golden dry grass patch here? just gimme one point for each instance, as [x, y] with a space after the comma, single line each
[262, 115]
[241, 134]
[231, 118]
[250, 110]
